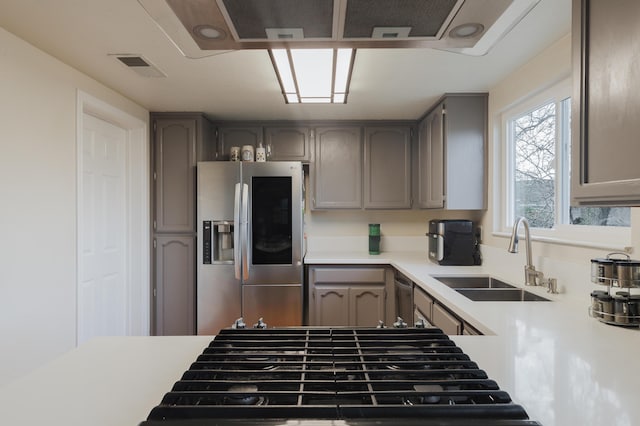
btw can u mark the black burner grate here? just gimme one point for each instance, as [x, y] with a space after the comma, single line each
[341, 373]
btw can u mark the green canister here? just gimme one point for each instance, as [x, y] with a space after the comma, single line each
[374, 238]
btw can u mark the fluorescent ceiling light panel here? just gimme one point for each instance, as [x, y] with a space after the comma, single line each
[313, 75]
[313, 68]
[281, 58]
[343, 69]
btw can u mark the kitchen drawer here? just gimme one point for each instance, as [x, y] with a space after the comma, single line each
[446, 321]
[349, 275]
[469, 330]
[423, 302]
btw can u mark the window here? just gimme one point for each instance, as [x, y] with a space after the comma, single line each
[537, 179]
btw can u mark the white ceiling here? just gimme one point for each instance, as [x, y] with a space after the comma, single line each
[241, 85]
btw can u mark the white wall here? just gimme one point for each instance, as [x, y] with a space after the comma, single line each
[549, 67]
[38, 202]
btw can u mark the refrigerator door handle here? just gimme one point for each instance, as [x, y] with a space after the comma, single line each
[245, 231]
[236, 233]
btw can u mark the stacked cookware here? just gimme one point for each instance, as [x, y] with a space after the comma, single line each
[617, 305]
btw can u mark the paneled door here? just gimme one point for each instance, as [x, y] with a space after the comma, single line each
[102, 239]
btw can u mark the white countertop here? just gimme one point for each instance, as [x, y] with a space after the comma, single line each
[562, 366]
[108, 381]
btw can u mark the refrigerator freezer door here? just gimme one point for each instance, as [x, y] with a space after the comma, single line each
[219, 295]
[279, 305]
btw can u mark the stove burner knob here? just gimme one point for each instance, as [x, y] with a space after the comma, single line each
[381, 324]
[421, 323]
[260, 324]
[239, 323]
[400, 323]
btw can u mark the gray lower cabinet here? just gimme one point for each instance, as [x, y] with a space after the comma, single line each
[435, 313]
[175, 284]
[348, 296]
[367, 305]
[337, 175]
[289, 143]
[446, 321]
[469, 330]
[605, 103]
[330, 306]
[423, 304]
[178, 142]
[387, 167]
[452, 154]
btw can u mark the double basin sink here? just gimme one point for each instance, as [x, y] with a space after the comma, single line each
[489, 289]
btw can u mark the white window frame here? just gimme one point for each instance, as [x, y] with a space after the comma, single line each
[605, 237]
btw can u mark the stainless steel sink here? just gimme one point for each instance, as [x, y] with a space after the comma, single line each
[500, 295]
[473, 282]
[484, 288]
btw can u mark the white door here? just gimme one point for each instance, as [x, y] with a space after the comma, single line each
[102, 231]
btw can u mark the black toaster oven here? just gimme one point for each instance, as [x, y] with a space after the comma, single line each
[453, 242]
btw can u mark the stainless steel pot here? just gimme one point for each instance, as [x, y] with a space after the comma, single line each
[603, 271]
[634, 309]
[606, 307]
[596, 303]
[628, 273]
[622, 314]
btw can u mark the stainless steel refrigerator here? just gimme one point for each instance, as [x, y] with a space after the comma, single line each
[249, 244]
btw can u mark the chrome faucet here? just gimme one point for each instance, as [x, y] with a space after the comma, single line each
[531, 276]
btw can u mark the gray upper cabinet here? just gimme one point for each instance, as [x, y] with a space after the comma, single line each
[605, 103]
[387, 167]
[431, 160]
[452, 154]
[179, 142]
[237, 136]
[289, 143]
[337, 176]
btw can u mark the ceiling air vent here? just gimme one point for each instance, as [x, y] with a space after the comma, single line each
[140, 65]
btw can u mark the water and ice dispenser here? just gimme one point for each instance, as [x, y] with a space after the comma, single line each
[217, 241]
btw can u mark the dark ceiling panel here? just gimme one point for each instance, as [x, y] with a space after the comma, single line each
[251, 17]
[425, 17]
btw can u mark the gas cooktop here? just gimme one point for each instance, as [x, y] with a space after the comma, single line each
[337, 376]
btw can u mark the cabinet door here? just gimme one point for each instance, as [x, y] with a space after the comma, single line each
[288, 143]
[387, 168]
[423, 303]
[331, 306]
[366, 306]
[175, 160]
[175, 285]
[403, 299]
[447, 322]
[468, 330]
[431, 158]
[338, 168]
[464, 128]
[605, 103]
[237, 136]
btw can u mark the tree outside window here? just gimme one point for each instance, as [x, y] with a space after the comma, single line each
[540, 140]
[535, 174]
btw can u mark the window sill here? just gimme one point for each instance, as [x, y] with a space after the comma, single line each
[570, 242]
